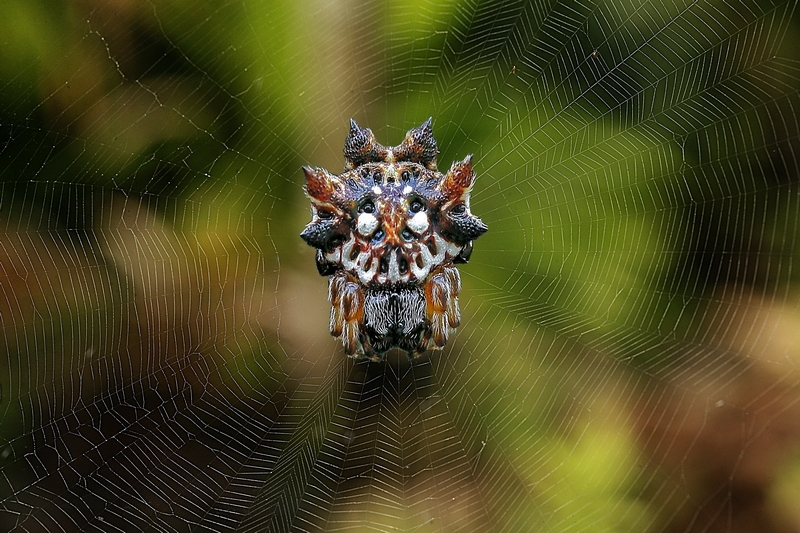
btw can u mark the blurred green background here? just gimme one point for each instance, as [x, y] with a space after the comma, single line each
[629, 349]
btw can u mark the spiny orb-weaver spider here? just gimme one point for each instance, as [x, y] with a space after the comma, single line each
[388, 233]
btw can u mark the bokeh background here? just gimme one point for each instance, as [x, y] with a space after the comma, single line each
[629, 349]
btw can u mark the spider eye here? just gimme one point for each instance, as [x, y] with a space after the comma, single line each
[405, 175]
[325, 215]
[364, 172]
[367, 207]
[407, 235]
[416, 206]
[459, 209]
[377, 176]
[378, 236]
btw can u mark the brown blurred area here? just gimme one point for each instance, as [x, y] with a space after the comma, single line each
[720, 446]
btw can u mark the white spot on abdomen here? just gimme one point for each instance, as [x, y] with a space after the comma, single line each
[366, 271]
[394, 268]
[418, 223]
[347, 248]
[367, 224]
[419, 272]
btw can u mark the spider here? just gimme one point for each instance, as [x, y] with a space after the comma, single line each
[389, 231]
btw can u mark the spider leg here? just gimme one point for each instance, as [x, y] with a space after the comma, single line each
[347, 310]
[441, 302]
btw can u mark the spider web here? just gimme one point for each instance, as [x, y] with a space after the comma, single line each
[627, 359]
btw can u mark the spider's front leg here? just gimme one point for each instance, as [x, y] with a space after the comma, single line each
[347, 315]
[441, 306]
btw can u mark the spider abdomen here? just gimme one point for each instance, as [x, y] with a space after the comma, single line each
[394, 316]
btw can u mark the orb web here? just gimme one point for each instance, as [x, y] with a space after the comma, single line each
[627, 356]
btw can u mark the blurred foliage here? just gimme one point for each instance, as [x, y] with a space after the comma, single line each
[636, 163]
